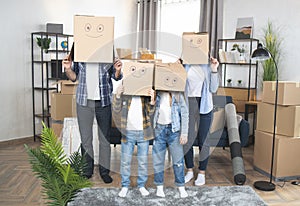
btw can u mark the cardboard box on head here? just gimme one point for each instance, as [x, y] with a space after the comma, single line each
[94, 39]
[195, 48]
[137, 78]
[170, 77]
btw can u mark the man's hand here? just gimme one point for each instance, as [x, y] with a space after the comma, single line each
[214, 64]
[183, 139]
[67, 63]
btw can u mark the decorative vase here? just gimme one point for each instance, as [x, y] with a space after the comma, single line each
[242, 58]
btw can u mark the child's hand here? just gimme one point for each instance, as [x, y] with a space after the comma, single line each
[119, 91]
[117, 64]
[151, 93]
[183, 139]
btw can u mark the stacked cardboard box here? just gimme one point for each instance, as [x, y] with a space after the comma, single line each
[63, 104]
[287, 139]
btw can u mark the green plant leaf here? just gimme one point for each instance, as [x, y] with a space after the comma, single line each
[60, 181]
[272, 41]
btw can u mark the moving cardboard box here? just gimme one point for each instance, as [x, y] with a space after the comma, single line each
[68, 87]
[288, 92]
[169, 77]
[57, 127]
[195, 48]
[137, 78]
[62, 105]
[124, 53]
[93, 39]
[287, 121]
[286, 165]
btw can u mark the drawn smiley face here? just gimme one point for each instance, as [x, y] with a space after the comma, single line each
[93, 31]
[170, 80]
[195, 42]
[137, 73]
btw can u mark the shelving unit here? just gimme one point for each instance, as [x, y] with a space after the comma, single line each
[231, 64]
[41, 77]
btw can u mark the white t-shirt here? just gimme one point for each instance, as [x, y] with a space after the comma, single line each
[195, 79]
[92, 81]
[164, 109]
[135, 116]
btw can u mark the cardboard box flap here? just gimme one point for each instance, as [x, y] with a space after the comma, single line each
[65, 82]
[137, 78]
[124, 53]
[93, 39]
[195, 48]
[170, 77]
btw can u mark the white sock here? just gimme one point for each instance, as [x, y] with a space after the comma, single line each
[200, 180]
[143, 191]
[160, 191]
[189, 175]
[182, 192]
[123, 192]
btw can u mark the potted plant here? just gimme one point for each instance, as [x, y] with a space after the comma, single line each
[239, 82]
[61, 177]
[44, 43]
[229, 82]
[272, 42]
[241, 50]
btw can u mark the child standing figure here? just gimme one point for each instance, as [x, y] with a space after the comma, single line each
[171, 129]
[136, 129]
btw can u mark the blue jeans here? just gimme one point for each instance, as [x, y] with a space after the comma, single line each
[203, 126]
[134, 137]
[163, 137]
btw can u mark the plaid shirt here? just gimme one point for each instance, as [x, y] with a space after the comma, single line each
[120, 108]
[106, 72]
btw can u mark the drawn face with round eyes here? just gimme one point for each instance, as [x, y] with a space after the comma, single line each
[195, 42]
[170, 81]
[93, 31]
[138, 73]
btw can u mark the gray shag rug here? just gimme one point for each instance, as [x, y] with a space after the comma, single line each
[217, 195]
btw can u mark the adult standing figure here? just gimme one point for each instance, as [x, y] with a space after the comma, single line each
[93, 98]
[202, 81]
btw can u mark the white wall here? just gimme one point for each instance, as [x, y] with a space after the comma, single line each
[18, 20]
[284, 14]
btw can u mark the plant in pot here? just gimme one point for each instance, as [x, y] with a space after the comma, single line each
[239, 82]
[272, 41]
[61, 177]
[229, 82]
[241, 50]
[44, 43]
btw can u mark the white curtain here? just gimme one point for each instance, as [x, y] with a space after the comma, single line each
[211, 21]
[148, 14]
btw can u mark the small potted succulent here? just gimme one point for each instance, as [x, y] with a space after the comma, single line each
[229, 84]
[239, 82]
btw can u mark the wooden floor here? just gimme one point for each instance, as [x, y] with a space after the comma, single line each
[18, 185]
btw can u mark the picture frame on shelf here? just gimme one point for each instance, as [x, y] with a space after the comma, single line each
[244, 28]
